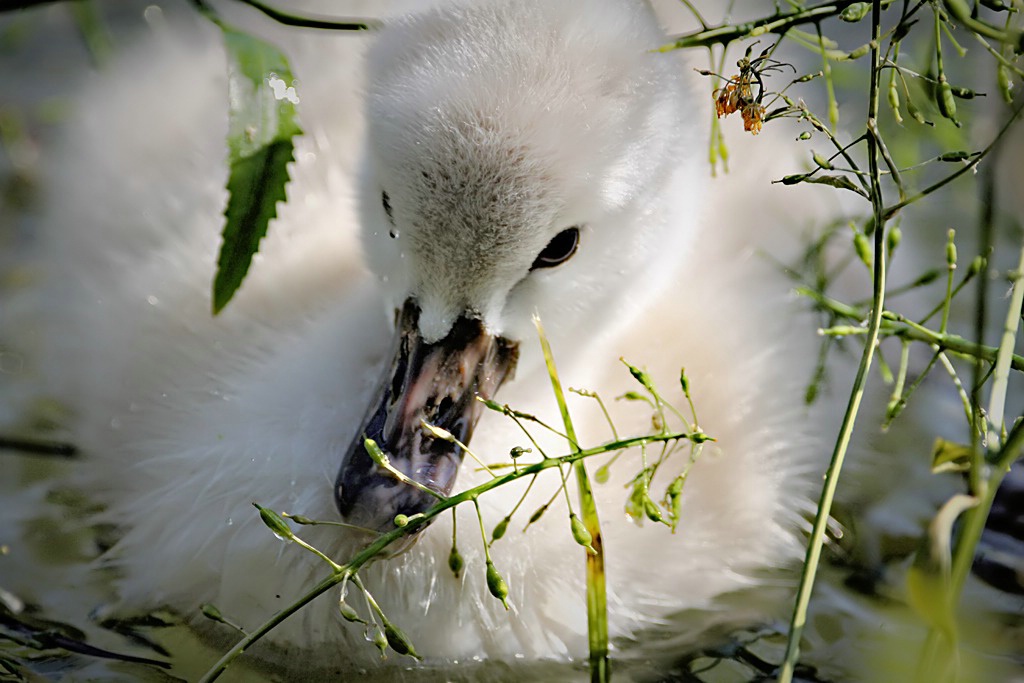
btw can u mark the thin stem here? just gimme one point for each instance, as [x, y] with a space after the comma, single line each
[814, 546]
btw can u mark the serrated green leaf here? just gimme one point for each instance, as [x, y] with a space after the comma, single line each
[262, 125]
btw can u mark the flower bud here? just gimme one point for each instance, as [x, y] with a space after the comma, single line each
[580, 533]
[500, 529]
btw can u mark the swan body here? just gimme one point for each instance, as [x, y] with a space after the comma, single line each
[492, 127]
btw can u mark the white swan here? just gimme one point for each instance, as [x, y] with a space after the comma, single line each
[521, 157]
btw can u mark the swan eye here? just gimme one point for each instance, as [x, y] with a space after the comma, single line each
[559, 250]
[385, 200]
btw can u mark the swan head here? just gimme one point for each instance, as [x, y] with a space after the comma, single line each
[516, 164]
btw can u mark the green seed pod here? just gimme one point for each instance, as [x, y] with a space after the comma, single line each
[977, 265]
[211, 612]
[684, 382]
[349, 613]
[455, 562]
[601, 475]
[944, 98]
[275, 523]
[916, 114]
[375, 453]
[863, 248]
[855, 12]
[518, 451]
[821, 161]
[537, 514]
[496, 585]
[580, 533]
[927, 278]
[951, 251]
[640, 376]
[500, 529]
[860, 51]
[955, 156]
[699, 437]
[1005, 83]
[794, 179]
[652, 511]
[300, 519]
[894, 100]
[893, 240]
[806, 135]
[964, 93]
[380, 641]
[398, 640]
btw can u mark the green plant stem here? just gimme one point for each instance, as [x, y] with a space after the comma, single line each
[385, 540]
[816, 541]
[312, 22]
[1004, 357]
[597, 593]
[779, 23]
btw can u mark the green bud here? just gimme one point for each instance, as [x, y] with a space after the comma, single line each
[951, 250]
[684, 382]
[855, 12]
[300, 519]
[927, 278]
[438, 432]
[794, 179]
[500, 529]
[518, 451]
[806, 135]
[580, 533]
[496, 585]
[699, 437]
[398, 640]
[275, 523]
[640, 376]
[601, 475]
[493, 405]
[455, 562]
[634, 396]
[401, 520]
[349, 613]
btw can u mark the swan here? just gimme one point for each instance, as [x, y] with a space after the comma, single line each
[519, 159]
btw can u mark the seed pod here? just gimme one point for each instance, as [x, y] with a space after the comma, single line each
[955, 156]
[380, 641]
[684, 382]
[580, 533]
[496, 585]
[518, 451]
[964, 93]
[916, 114]
[537, 514]
[821, 161]
[977, 265]
[375, 453]
[893, 240]
[944, 98]
[862, 247]
[951, 251]
[301, 519]
[1005, 83]
[398, 640]
[349, 613]
[211, 612]
[500, 529]
[455, 562]
[275, 523]
[855, 12]
[894, 100]
[601, 475]
[806, 135]
[652, 511]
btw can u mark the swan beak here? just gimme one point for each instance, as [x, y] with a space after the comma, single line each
[436, 384]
